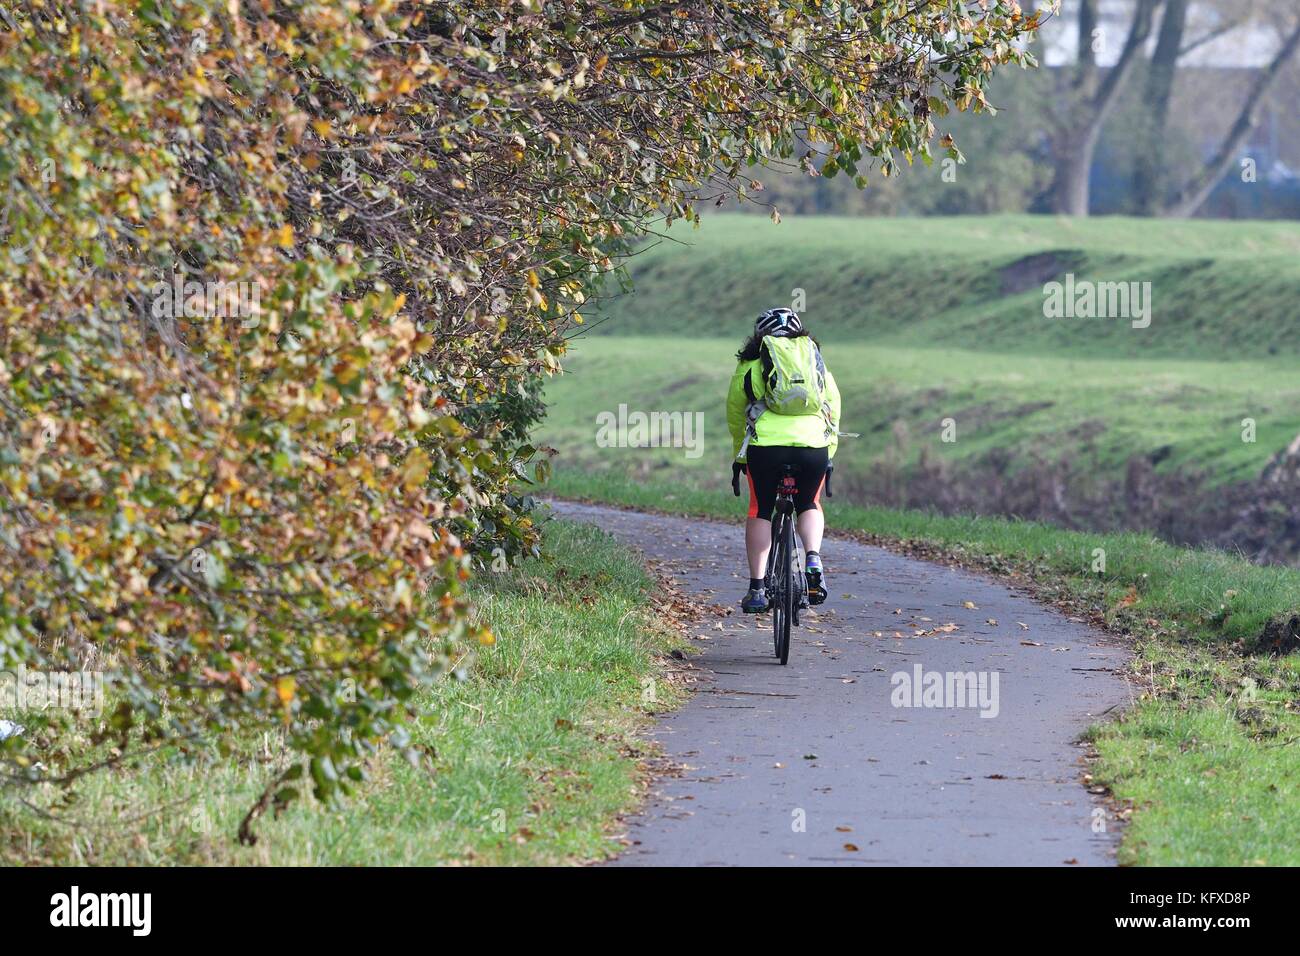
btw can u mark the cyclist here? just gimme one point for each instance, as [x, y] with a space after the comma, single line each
[782, 407]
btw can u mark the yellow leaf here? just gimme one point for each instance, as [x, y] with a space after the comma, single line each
[284, 689]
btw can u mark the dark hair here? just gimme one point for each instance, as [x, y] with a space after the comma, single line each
[749, 351]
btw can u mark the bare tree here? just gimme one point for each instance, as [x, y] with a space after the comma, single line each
[1089, 98]
[1149, 177]
[1192, 195]
[1152, 188]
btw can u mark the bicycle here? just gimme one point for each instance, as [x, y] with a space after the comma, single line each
[787, 587]
[785, 581]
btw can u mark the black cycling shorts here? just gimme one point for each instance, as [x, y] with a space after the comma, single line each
[765, 467]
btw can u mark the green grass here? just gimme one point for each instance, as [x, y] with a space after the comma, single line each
[1099, 412]
[1206, 757]
[533, 760]
[1220, 290]
[931, 319]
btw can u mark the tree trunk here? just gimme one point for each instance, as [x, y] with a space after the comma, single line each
[1076, 139]
[1149, 179]
[1192, 196]
[1071, 184]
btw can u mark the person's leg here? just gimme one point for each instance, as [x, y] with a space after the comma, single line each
[811, 475]
[758, 530]
[811, 526]
[812, 522]
[758, 541]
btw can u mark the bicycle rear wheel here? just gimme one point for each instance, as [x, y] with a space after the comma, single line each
[788, 598]
[775, 578]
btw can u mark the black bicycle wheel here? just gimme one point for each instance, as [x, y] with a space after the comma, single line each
[775, 563]
[785, 571]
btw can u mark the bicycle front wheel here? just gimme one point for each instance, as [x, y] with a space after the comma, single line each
[789, 600]
[775, 563]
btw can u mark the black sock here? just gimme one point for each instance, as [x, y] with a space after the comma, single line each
[814, 554]
[755, 584]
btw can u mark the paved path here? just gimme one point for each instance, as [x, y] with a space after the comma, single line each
[813, 764]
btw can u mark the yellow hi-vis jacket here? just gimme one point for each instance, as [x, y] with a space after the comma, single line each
[802, 431]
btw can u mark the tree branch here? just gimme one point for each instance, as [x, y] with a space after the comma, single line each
[1192, 196]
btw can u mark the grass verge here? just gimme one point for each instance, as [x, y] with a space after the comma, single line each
[1184, 415]
[532, 754]
[1205, 764]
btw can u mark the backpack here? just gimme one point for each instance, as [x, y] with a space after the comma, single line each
[794, 375]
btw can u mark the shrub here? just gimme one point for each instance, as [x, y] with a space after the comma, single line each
[280, 281]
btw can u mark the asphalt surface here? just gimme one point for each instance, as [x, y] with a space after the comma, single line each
[818, 762]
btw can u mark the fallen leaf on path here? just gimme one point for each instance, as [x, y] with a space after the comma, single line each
[1030, 644]
[970, 605]
[941, 629]
[851, 847]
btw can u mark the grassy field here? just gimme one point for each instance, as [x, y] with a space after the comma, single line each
[1187, 412]
[931, 319]
[1220, 290]
[532, 753]
[1205, 758]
